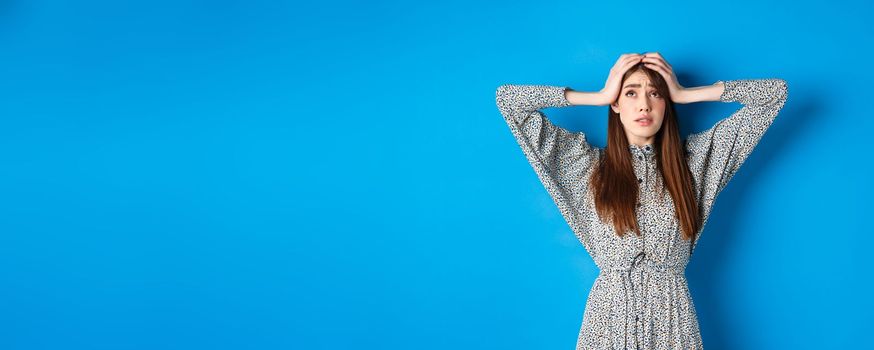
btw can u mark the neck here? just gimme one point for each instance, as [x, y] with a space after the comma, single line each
[640, 141]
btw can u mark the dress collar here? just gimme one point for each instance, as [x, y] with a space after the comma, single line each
[647, 149]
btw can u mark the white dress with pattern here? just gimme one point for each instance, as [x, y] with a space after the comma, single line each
[640, 299]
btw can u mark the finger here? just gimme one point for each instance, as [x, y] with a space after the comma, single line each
[651, 63]
[656, 59]
[662, 64]
[657, 66]
[661, 70]
[622, 59]
[656, 56]
[628, 64]
[630, 59]
[634, 59]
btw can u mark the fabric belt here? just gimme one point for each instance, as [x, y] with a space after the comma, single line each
[632, 277]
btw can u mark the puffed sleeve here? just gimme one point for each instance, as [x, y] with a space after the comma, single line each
[715, 155]
[559, 157]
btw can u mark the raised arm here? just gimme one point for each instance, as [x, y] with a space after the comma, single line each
[548, 143]
[715, 155]
[559, 157]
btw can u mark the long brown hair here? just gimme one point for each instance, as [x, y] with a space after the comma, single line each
[614, 184]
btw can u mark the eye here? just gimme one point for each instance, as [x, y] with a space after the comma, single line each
[629, 92]
[656, 94]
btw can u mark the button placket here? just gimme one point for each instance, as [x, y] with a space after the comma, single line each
[646, 172]
[642, 164]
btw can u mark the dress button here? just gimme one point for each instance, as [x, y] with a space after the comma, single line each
[639, 157]
[639, 180]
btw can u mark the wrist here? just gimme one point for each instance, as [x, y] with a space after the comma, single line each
[680, 96]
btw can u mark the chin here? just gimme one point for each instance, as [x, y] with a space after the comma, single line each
[646, 134]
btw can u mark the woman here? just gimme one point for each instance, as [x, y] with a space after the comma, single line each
[639, 204]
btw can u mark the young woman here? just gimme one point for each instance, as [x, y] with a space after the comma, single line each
[639, 204]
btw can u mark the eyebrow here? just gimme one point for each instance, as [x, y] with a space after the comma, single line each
[634, 86]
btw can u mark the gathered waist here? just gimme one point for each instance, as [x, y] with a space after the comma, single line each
[646, 265]
[633, 298]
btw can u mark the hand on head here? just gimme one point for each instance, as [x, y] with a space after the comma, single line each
[651, 60]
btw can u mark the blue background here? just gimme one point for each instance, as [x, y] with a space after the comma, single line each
[266, 175]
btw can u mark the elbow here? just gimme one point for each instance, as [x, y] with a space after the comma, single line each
[782, 89]
[778, 91]
[501, 91]
[501, 95]
[498, 92]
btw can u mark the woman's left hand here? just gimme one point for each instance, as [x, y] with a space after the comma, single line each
[655, 61]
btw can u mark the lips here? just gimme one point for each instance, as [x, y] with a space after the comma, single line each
[644, 120]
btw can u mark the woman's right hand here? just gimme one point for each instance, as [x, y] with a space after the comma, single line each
[613, 86]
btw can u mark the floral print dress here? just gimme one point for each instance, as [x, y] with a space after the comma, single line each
[640, 299]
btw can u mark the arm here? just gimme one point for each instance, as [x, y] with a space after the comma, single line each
[542, 141]
[560, 158]
[587, 98]
[715, 155]
[701, 93]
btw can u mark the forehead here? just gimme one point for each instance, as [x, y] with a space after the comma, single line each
[636, 80]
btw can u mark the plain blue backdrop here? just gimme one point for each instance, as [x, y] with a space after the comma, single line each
[277, 175]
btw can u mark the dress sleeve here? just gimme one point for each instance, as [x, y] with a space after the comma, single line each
[560, 158]
[715, 155]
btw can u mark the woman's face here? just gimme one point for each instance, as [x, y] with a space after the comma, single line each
[640, 107]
